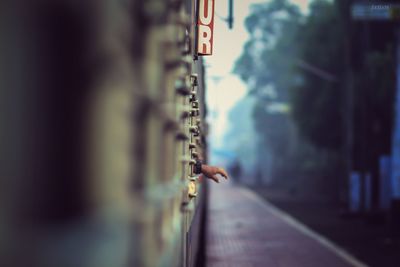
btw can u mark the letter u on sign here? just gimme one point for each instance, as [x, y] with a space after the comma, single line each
[205, 24]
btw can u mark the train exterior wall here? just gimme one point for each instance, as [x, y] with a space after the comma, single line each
[105, 115]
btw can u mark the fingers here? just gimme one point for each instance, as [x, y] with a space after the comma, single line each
[212, 171]
[222, 172]
[215, 178]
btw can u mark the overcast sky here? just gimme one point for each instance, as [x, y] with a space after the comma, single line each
[223, 88]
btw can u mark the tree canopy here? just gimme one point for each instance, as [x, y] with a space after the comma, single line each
[300, 57]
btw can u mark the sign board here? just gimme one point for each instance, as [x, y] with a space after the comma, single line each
[205, 27]
[370, 11]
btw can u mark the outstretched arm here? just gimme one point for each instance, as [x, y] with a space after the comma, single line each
[210, 171]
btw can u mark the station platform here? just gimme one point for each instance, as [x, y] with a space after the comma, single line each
[244, 230]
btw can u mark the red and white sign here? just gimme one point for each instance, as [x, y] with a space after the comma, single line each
[205, 24]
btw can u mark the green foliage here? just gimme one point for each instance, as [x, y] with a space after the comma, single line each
[275, 128]
[303, 58]
[268, 55]
[282, 39]
[318, 102]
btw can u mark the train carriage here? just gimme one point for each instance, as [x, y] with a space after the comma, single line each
[105, 104]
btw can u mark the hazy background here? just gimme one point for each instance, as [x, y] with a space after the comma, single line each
[227, 93]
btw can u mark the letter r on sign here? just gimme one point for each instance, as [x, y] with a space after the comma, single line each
[205, 39]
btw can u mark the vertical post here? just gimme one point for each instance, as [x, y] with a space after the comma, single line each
[395, 177]
[396, 133]
[355, 192]
[230, 15]
[384, 176]
[367, 192]
[348, 100]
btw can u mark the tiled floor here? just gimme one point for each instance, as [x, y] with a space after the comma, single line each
[244, 231]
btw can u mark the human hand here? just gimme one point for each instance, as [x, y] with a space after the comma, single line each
[211, 172]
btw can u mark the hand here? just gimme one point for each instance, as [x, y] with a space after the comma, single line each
[211, 172]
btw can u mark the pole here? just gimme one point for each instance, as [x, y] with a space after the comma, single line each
[230, 15]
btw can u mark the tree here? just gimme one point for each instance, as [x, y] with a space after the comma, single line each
[318, 101]
[301, 58]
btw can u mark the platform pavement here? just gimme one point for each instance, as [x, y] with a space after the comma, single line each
[246, 231]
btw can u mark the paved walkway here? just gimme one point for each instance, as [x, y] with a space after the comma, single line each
[246, 231]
